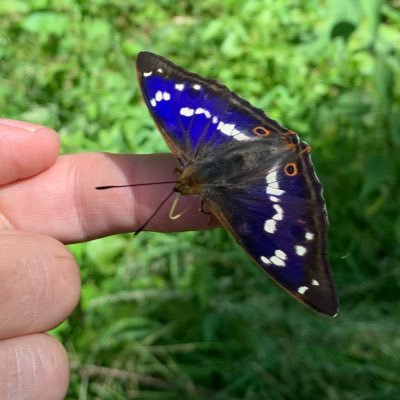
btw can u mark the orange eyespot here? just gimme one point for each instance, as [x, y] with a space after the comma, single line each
[261, 131]
[291, 169]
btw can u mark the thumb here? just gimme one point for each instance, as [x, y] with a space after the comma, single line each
[25, 149]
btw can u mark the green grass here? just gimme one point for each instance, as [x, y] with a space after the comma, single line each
[188, 316]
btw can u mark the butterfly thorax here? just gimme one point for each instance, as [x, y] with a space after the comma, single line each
[236, 166]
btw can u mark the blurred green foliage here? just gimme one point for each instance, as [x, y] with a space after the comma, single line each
[188, 316]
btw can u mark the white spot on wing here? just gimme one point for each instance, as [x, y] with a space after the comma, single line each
[160, 70]
[186, 111]
[300, 250]
[146, 74]
[229, 130]
[314, 282]
[274, 199]
[196, 86]
[203, 111]
[214, 120]
[272, 183]
[158, 95]
[281, 254]
[274, 191]
[279, 212]
[179, 86]
[271, 178]
[309, 236]
[153, 102]
[302, 289]
[239, 135]
[270, 226]
[166, 96]
[270, 223]
[277, 261]
[265, 260]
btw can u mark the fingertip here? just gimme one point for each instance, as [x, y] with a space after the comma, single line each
[39, 273]
[25, 149]
[33, 367]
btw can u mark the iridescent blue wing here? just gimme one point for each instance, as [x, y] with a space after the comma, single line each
[256, 176]
[195, 115]
[276, 212]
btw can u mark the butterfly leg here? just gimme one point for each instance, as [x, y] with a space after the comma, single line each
[178, 171]
[203, 211]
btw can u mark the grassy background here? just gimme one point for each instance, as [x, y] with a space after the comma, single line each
[188, 316]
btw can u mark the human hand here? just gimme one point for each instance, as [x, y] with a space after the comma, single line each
[47, 201]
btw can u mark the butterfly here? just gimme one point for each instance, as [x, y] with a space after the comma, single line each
[255, 175]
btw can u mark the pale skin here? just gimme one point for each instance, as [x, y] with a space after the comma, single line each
[47, 201]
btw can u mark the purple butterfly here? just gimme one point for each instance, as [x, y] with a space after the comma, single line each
[256, 176]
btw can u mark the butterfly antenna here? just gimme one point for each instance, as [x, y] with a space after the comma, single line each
[133, 185]
[152, 215]
[306, 149]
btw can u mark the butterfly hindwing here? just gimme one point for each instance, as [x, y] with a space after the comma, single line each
[279, 218]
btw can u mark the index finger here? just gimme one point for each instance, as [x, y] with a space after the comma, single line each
[62, 201]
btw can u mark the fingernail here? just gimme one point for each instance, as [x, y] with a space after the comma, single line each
[27, 126]
[5, 224]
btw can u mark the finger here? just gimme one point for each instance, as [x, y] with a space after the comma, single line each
[67, 206]
[25, 149]
[39, 285]
[33, 367]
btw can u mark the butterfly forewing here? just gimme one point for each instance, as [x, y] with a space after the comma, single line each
[197, 115]
[256, 176]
